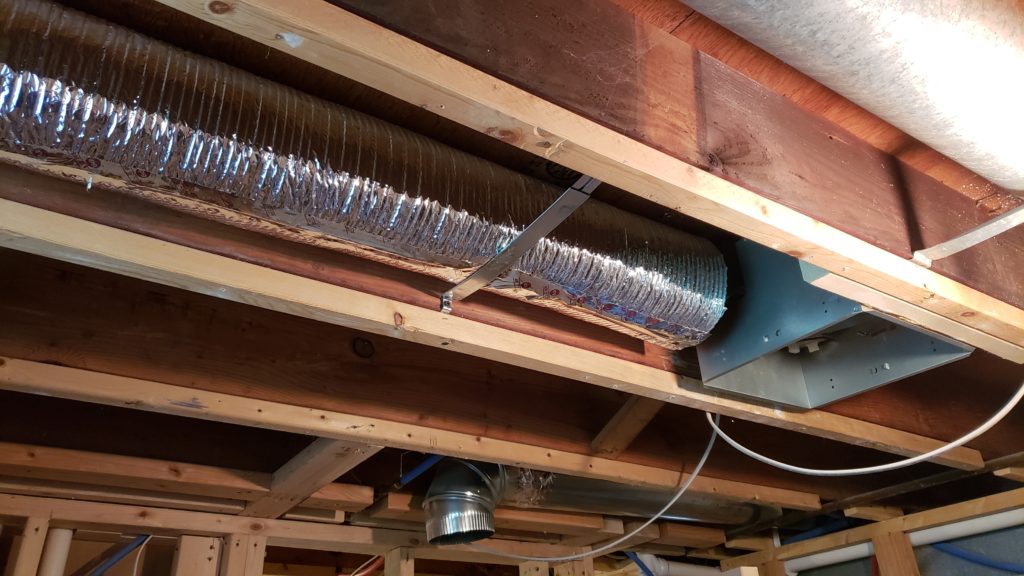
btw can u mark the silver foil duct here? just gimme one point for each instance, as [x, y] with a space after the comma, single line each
[121, 104]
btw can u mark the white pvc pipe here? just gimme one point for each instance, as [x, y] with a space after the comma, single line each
[55, 552]
[923, 537]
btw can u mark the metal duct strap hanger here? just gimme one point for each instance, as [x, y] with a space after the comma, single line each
[971, 238]
[567, 203]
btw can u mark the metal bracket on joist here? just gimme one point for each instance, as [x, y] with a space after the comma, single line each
[554, 215]
[972, 237]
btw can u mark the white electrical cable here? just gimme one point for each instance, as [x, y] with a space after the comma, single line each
[606, 547]
[138, 554]
[985, 427]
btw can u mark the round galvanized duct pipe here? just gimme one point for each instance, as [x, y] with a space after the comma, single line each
[459, 505]
[948, 73]
[76, 89]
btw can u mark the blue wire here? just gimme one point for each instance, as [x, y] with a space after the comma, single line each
[979, 559]
[418, 470]
[639, 563]
[120, 554]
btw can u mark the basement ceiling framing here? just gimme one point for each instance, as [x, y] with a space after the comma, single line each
[173, 309]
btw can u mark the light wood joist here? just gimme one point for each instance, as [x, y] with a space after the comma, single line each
[986, 505]
[286, 533]
[388, 61]
[625, 425]
[70, 239]
[302, 477]
[224, 487]
[83, 385]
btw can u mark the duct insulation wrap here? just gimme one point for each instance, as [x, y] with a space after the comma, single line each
[77, 90]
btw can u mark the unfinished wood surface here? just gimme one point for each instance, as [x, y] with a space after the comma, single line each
[27, 550]
[1014, 473]
[720, 43]
[284, 533]
[417, 74]
[873, 513]
[895, 555]
[610, 529]
[975, 508]
[320, 464]
[533, 569]
[196, 556]
[32, 377]
[142, 474]
[399, 562]
[53, 235]
[689, 536]
[242, 555]
[773, 568]
[749, 543]
[584, 567]
[625, 426]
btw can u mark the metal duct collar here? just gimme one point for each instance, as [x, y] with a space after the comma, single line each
[460, 502]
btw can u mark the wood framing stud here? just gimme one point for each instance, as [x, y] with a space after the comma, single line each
[625, 426]
[533, 569]
[773, 568]
[28, 548]
[399, 562]
[584, 567]
[895, 555]
[196, 556]
[874, 513]
[320, 464]
[243, 555]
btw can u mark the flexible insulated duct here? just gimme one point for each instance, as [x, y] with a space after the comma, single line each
[74, 89]
[949, 73]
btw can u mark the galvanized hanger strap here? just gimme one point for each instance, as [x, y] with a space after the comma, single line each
[572, 198]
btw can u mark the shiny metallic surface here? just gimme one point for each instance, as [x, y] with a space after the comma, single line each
[460, 502]
[947, 73]
[74, 89]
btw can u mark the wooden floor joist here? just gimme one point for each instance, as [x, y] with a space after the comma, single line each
[69, 239]
[319, 465]
[385, 60]
[36, 378]
[625, 426]
[139, 474]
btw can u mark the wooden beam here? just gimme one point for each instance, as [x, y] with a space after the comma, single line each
[196, 556]
[773, 568]
[533, 569]
[1014, 473]
[286, 533]
[243, 555]
[34, 377]
[978, 507]
[399, 562]
[404, 68]
[147, 474]
[584, 567]
[873, 513]
[895, 555]
[48, 234]
[318, 465]
[689, 536]
[610, 529]
[625, 426]
[750, 543]
[27, 550]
